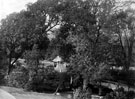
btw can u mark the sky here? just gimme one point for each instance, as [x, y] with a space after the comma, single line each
[9, 6]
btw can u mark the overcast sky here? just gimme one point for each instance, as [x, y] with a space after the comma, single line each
[10, 6]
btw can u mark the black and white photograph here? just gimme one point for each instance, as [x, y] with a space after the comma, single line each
[67, 49]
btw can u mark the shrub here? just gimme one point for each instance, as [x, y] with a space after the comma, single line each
[18, 77]
[130, 94]
[2, 79]
[81, 94]
[120, 94]
[43, 81]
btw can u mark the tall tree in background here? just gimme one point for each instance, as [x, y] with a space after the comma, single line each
[122, 33]
[20, 31]
[85, 21]
[14, 42]
[32, 58]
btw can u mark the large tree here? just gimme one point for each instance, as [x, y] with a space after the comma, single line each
[84, 22]
[14, 42]
[20, 31]
[121, 28]
[121, 31]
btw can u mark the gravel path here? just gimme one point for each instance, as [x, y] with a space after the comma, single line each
[5, 95]
[37, 96]
[21, 94]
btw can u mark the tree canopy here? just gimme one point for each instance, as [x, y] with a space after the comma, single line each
[92, 35]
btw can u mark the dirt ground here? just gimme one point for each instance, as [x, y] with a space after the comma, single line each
[21, 94]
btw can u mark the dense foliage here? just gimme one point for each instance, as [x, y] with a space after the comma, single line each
[95, 37]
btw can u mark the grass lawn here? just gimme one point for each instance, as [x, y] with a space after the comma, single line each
[21, 94]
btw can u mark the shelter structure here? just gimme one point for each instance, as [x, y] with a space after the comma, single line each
[60, 67]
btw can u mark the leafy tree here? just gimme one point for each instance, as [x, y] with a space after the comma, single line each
[13, 41]
[121, 28]
[122, 33]
[20, 31]
[85, 21]
[59, 47]
[32, 61]
[3, 64]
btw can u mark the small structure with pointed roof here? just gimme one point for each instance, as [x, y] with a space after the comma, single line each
[57, 59]
[60, 67]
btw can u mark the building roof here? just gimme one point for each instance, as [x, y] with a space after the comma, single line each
[57, 59]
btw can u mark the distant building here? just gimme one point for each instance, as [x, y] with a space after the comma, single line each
[57, 59]
[61, 66]
[57, 63]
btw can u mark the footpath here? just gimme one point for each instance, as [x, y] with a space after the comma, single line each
[16, 93]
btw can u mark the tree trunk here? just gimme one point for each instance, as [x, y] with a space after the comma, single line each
[85, 83]
[30, 75]
[9, 64]
[100, 89]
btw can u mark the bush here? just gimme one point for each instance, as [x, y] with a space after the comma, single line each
[43, 81]
[18, 77]
[120, 94]
[2, 79]
[29, 86]
[130, 94]
[81, 94]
